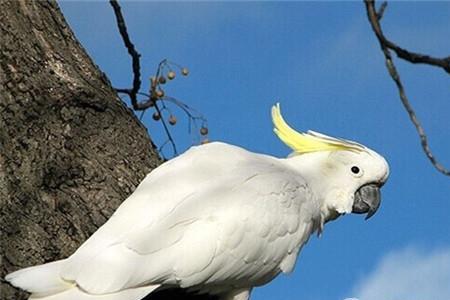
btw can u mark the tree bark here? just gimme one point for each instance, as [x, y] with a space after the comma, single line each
[70, 150]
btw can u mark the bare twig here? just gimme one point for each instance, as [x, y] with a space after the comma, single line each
[381, 10]
[412, 57]
[156, 95]
[385, 45]
[134, 91]
[169, 136]
[417, 58]
[135, 56]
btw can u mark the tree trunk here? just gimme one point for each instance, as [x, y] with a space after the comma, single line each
[70, 151]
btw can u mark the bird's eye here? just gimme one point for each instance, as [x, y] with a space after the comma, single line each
[355, 170]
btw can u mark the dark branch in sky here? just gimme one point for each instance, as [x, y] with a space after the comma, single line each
[135, 56]
[385, 45]
[412, 57]
[134, 91]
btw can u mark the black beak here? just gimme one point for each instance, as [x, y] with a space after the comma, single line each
[367, 200]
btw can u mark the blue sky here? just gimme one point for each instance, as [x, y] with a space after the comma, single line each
[321, 61]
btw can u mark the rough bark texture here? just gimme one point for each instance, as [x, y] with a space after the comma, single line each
[70, 151]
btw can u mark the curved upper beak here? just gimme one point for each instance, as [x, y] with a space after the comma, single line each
[367, 200]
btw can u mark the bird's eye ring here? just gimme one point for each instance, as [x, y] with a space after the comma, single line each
[355, 170]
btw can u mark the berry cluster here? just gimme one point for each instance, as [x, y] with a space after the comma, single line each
[159, 99]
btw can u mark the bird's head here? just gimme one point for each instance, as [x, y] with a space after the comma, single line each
[346, 175]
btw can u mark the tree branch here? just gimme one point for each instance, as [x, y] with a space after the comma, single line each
[412, 57]
[381, 10]
[135, 56]
[134, 91]
[385, 45]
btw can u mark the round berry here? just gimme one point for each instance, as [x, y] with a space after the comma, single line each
[171, 75]
[160, 93]
[172, 120]
[162, 79]
[156, 116]
[203, 131]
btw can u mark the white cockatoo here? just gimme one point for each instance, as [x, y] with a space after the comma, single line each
[217, 219]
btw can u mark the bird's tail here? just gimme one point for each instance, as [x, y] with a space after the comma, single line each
[40, 280]
[44, 283]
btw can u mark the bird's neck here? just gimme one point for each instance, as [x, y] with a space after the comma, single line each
[309, 166]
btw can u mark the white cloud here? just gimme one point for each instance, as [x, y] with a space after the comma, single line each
[409, 273]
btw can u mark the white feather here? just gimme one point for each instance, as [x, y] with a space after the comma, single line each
[216, 218]
[49, 280]
[195, 217]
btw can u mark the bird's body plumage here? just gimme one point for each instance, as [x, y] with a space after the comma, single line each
[167, 229]
[212, 223]
[217, 219]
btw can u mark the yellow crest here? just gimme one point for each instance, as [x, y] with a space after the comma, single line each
[310, 141]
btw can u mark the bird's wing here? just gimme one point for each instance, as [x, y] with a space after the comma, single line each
[215, 212]
[161, 191]
[255, 229]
